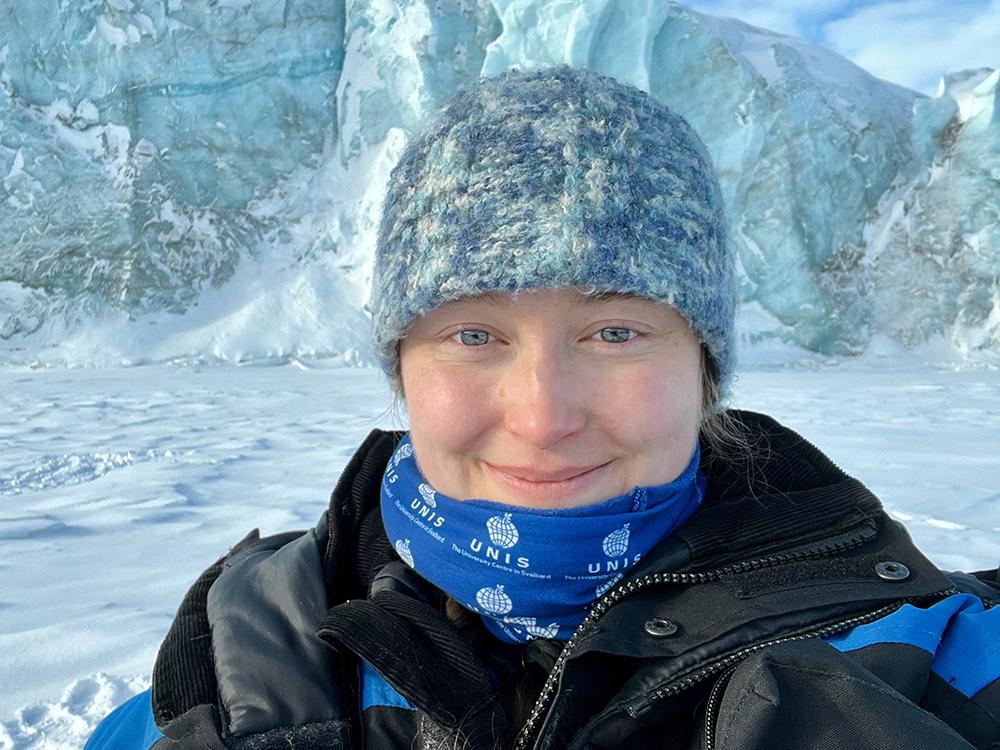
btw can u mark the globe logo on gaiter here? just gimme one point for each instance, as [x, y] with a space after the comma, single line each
[532, 628]
[427, 493]
[403, 550]
[405, 451]
[503, 533]
[616, 543]
[493, 601]
[606, 586]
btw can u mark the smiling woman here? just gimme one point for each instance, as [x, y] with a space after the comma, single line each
[573, 403]
[575, 544]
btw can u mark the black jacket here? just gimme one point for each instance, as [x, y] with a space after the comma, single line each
[716, 640]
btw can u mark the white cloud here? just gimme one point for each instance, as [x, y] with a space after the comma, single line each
[910, 42]
[914, 42]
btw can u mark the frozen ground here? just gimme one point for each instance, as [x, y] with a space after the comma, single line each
[118, 487]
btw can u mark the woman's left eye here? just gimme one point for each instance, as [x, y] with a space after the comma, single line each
[473, 337]
[617, 335]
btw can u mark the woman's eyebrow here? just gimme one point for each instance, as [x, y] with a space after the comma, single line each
[586, 299]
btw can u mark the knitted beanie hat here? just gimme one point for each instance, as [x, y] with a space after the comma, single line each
[553, 178]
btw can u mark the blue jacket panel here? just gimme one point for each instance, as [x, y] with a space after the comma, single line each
[128, 727]
[958, 632]
[376, 691]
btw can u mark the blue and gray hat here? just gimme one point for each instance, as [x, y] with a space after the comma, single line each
[553, 178]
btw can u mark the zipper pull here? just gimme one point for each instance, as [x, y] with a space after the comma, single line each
[637, 709]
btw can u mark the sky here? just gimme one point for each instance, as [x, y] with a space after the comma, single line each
[910, 42]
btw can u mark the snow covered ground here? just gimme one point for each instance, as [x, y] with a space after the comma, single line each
[118, 487]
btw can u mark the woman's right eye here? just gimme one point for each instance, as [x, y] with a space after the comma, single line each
[473, 337]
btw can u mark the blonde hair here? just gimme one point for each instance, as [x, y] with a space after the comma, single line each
[721, 433]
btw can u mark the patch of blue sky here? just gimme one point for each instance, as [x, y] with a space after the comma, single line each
[909, 42]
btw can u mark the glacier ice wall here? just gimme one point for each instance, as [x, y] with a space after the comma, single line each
[143, 132]
[934, 242]
[189, 179]
[805, 142]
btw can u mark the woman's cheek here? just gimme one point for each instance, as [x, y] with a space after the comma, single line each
[669, 407]
[450, 405]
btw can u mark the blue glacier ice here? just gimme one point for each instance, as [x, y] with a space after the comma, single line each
[186, 180]
[935, 240]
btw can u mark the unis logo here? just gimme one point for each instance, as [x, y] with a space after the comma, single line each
[403, 550]
[405, 451]
[427, 493]
[615, 546]
[606, 586]
[425, 506]
[532, 628]
[493, 601]
[503, 533]
[503, 536]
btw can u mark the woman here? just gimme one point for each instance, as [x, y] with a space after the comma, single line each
[574, 545]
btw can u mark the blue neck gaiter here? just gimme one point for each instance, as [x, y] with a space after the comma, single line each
[529, 573]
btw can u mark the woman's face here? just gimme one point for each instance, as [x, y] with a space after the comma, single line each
[552, 400]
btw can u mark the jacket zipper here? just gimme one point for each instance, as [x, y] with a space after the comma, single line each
[839, 544]
[712, 707]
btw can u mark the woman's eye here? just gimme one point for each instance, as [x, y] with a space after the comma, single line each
[616, 335]
[473, 337]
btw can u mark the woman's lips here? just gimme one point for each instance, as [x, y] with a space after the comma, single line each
[530, 484]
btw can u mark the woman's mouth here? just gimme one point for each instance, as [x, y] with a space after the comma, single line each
[531, 484]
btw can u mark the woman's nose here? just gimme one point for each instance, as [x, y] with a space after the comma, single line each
[543, 402]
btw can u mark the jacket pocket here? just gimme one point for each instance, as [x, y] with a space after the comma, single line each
[805, 695]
